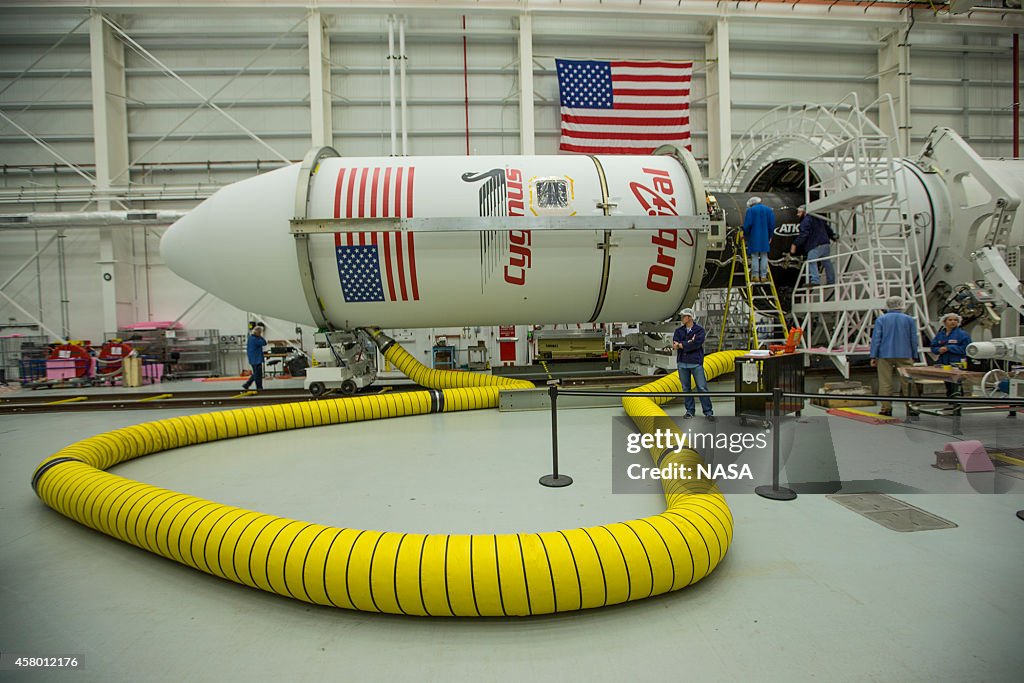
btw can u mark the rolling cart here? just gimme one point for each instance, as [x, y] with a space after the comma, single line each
[762, 374]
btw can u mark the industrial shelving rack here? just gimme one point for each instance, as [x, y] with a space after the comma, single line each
[193, 353]
[183, 353]
[22, 358]
[150, 344]
[444, 357]
[232, 353]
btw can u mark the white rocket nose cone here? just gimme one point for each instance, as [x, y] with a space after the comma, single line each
[236, 245]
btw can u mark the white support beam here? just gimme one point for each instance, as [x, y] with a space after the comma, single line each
[32, 318]
[719, 98]
[134, 44]
[321, 126]
[31, 260]
[759, 12]
[109, 106]
[392, 85]
[402, 93]
[42, 143]
[116, 274]
[527, 129]
[110, 133]
[894, 80]
[806, 14]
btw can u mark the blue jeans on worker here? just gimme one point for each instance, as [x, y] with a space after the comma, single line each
[256, 376]
[812, 268]
[759, 264]
[695, 370]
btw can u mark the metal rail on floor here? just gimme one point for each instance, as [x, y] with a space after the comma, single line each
[19, 402]
[46, 397]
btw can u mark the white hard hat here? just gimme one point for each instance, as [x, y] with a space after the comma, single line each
[753, 200]
[687, 311]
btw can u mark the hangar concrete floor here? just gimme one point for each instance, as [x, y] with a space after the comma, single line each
[808, 590]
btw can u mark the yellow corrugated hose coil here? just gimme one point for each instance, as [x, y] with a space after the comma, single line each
[388, 571]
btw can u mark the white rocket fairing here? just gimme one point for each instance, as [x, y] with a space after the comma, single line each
[238, 245]
[369, 264]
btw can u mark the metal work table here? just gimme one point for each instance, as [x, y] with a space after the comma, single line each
[918, 376]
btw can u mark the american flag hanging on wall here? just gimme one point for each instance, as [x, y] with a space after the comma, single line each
[623, 107]
[376, 266]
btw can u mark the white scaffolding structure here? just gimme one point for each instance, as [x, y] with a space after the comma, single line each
[710, 305]
[850, 174]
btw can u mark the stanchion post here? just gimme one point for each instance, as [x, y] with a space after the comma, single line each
[554, 480]
[776, 492]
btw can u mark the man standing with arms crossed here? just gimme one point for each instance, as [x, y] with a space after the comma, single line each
[894, 344]
[688, 341]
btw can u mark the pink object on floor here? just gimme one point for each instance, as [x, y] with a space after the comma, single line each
[972, 456]
[66, 368]
[152, 372]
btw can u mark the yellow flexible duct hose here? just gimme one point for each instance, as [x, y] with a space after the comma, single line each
[683, 497]
[439, 379]
[384, 571]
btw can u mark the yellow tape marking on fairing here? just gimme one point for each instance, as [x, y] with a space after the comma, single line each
[387, 571]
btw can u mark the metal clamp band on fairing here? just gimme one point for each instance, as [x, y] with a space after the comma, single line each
[700, 239]
[310, 165]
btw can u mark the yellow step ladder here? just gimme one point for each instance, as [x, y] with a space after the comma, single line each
[761, 298]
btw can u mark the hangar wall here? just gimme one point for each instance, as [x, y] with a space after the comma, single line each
[255, 66]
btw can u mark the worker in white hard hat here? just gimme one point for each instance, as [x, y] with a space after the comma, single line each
[758, 227]
[688, 341]
[894, 344]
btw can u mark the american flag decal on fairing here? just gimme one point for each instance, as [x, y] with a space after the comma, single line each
[376, 266]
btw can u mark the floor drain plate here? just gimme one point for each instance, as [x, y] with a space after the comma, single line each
[890, 512]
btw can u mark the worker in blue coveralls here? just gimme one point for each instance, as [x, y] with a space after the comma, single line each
[758, 227]
[688, 341]
[254, 352]
[894, 344]
[813, 240]
[950, 345]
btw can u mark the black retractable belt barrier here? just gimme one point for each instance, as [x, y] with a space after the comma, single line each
[554, 480]
[776, 492]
